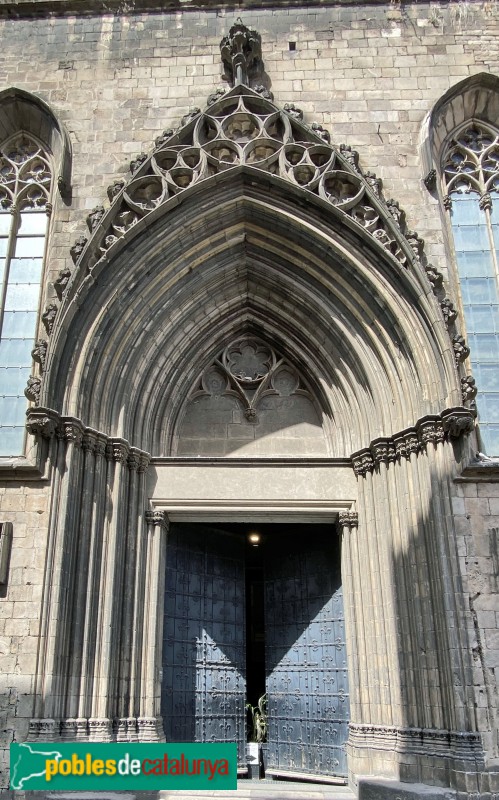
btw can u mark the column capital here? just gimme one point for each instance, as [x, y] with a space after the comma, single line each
[348, 519]
[159, 518]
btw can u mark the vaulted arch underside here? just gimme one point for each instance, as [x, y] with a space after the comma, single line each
[242, 255]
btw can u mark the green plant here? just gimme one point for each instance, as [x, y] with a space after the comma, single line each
[258, 725]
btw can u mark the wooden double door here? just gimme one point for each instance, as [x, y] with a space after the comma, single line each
[241, 619]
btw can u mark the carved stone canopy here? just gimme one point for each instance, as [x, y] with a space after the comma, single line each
[243, 129]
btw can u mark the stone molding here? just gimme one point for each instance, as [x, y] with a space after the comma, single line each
[465, 745]
[432, 429]
[45, 423]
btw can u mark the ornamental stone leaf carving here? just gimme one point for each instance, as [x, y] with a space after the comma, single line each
[33, 389]
[61, 282]
[39, 352]
[48, 317]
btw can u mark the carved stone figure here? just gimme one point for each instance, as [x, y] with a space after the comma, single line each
[317, 128]
[434, 276]
[61, 282]
[191, 114]
[469, 389]
[39, 352]
[94, 218]
[78, 248]
[293, 111]
[416, 243]
[212, 98]
[448, 311]
[374, 182]
[114, 189]
[351, 156]
[137, 162]
[161, 140]
[397, 213]
[461, 350]
[33, 389]
[48, 317]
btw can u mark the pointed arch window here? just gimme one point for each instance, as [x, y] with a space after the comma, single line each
[25, 186]
[471, 176]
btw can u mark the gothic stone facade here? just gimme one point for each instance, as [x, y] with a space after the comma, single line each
[248, 328]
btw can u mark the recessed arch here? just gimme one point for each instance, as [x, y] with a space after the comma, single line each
[242, 251]
[23, 111]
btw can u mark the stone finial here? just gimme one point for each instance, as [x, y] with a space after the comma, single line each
[241, 54]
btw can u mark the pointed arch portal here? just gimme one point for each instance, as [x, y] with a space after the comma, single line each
[249, 280]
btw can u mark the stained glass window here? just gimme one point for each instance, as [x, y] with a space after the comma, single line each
[471, 173]
[25, 182]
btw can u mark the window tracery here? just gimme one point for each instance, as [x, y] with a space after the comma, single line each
[471, 177]
[25, 185]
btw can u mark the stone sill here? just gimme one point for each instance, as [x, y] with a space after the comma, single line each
[480, 470]
[35, 8]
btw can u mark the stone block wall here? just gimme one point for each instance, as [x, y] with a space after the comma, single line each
[476, 509]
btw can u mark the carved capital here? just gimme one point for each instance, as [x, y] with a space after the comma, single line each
[485, 201]
[348, 519]
[41, 422]
[100, 446]
[89, 441]
[363, 462]
[383, 450]
[145, 460]
[430, 430]
[457, 421]
[119, 450]
[406, 442]
[157, 518]
[133, 459]
[72, 431]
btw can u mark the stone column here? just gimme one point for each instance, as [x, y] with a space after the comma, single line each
[150, 725]
[348, 522]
